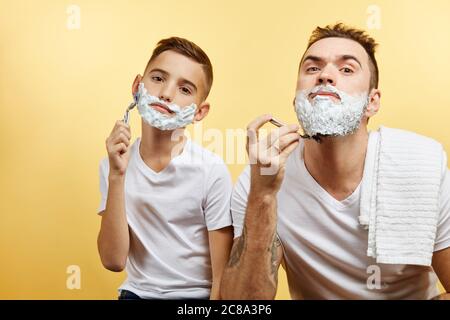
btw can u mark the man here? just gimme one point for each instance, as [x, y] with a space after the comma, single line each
[298, 202]
[165, 200]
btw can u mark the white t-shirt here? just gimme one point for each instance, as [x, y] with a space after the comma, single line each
[169, 215]
[324, 246]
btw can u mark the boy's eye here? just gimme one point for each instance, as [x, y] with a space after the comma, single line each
[156, 78]
[185, 90]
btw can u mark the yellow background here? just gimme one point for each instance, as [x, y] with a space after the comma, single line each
[61, 91]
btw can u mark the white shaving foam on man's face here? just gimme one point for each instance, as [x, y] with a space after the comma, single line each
[181, 117]
[327, 117]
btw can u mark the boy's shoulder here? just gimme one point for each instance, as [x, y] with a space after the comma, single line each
[200, 154]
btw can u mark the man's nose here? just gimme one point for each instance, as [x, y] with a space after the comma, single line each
[326, 77]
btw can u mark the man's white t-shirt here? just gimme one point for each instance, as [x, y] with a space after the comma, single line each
[324, 246]
[169, 215]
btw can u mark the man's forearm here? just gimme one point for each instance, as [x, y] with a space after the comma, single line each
[113, 239]
[252, 270]
[443, 296]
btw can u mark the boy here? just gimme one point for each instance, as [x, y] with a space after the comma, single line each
[165, 200]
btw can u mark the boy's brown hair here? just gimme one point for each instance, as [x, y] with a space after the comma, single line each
[187, 49]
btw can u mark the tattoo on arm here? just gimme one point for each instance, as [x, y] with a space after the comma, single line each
[274, 257]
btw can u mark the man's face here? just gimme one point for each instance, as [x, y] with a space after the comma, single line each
[342, 63]
[175, 78]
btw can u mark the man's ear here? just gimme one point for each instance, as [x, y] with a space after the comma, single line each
[374, 103]
[202, 111]
[135, 86]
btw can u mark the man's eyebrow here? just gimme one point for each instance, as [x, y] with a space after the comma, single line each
[312, 58]
[164, 72]
[343, 58]
[350, 57]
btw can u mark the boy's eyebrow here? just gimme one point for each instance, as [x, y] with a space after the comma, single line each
[189, 83]
[343, 57]
[164, 72]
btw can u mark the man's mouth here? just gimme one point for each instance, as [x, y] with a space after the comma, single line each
[161, 108]
[324, 93]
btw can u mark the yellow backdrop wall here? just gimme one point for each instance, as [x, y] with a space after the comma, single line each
[66, 69]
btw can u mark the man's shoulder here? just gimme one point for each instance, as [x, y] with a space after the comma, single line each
[104, 164]
[407, 136]
[415, 141]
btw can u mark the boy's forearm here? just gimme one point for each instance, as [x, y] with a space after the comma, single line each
[113, 239]
[215, 290]
[220, 243]
[252, 269]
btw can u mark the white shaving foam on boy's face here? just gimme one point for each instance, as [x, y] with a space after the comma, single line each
[327, 117]
[180, 119]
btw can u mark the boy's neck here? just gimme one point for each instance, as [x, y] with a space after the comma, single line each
[158, 147]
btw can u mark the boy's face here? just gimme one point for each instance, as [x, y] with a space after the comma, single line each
[342, 63]
[174, 78]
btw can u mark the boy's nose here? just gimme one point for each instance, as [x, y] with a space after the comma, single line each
[166, 94]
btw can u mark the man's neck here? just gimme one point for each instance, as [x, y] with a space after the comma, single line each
[159, 147]
[337, 163]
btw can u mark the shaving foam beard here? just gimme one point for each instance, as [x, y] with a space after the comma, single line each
[324, 117]
[180, 118]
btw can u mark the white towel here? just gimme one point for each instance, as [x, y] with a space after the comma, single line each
[400, 196]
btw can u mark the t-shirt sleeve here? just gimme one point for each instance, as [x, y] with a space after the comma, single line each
[442, 240]
[239, 199]
[218, 188]
[103, 183]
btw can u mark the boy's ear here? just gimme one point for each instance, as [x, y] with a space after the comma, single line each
[135, 86]
[202, 111]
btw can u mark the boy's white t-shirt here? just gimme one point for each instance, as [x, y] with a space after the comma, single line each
[324, 246]
[169, 215]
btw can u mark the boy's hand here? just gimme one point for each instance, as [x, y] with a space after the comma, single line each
[117, 145]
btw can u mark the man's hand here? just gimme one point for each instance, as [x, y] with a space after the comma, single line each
[117, 145]
[252, 269]
[268, 155]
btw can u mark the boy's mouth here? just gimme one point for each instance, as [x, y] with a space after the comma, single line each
[161, 108]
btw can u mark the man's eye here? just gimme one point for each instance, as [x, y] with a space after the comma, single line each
[185, 90]
[156, 78]
[347, 70]
[312, 69]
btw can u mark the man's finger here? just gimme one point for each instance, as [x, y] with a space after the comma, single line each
[258, 123]
[287, 151]
[286, 140]
[277, 133]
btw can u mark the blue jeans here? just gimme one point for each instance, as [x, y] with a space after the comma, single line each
[128, 295]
